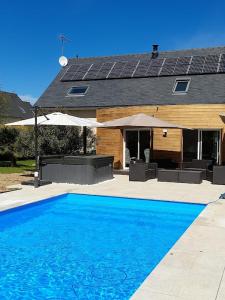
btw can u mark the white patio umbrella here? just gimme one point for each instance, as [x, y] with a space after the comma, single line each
[56, 118]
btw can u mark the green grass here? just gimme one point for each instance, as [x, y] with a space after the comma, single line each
[22, 166]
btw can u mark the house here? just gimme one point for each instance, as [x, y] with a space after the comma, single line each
[185, 87]
[12, 108]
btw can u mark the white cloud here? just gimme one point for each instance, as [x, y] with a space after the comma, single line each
[28, 98]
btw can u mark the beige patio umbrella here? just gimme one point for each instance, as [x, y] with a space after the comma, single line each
[141, 121]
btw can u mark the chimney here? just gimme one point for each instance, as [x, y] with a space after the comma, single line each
[155, 52]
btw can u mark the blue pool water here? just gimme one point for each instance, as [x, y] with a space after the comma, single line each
[86, 247]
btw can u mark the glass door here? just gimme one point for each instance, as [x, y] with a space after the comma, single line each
[190, 144]
[202, 144]
[144, 145]
[136, 146]
[131, 146]
[210, 145]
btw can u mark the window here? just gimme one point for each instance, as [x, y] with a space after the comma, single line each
[181, 86]
[77, 91]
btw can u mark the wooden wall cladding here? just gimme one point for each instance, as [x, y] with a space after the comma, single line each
[199, 116]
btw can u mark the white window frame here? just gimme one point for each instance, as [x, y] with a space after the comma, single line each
[77, 95]
[188, 80]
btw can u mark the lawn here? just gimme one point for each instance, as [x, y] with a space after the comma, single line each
[22, 166]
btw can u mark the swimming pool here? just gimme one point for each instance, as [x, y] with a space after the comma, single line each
[86, 247]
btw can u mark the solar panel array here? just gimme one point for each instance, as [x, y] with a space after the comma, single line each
[187, 65]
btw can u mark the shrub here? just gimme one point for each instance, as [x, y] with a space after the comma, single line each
[8, 156]
[53, 140]
[8, 138]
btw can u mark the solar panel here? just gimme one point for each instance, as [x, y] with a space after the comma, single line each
[156, 62]
[153, 71]
[81, 72]
[222, 64]
[184, 60]
[197, 64]
[154, 67]
[129, 69]
[93, 71]
[222, 69]
[222, 59]
[211, 64]
[104, 70]
[168, 66]
[74, 67]
[68, 75]
[142, 68]
[182, 65]
[170, 61]
[210, 68]
[181, 69]
[167, 70]
[198, 59]
[117, 69]
[210, 59]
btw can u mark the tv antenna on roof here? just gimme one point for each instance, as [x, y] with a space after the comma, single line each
[63, 61]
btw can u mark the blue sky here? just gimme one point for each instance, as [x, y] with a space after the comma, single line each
[29, 47]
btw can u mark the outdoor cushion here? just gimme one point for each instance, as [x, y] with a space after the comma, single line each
[190, 176]
[197, 169]
[168, 175]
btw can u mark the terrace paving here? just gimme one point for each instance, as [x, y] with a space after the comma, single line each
[194, 269]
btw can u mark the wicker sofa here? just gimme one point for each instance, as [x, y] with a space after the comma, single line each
[181, 176]
[199, 165]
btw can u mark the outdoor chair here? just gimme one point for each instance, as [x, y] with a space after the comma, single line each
[141, 171]
[147, 155]
[127, 157]
[218, 175]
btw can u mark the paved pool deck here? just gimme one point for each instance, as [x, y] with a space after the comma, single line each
[194, 269]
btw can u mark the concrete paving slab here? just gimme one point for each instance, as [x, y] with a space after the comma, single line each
[221, 290]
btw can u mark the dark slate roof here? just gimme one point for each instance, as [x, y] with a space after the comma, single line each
[12, 107]
[204, 88]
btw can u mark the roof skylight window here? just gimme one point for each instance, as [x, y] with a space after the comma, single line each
[181, 86]
[77, 91]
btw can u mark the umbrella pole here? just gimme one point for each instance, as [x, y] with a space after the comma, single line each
[36, 173]
[85, 140]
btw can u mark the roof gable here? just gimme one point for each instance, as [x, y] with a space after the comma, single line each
[11, 106]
